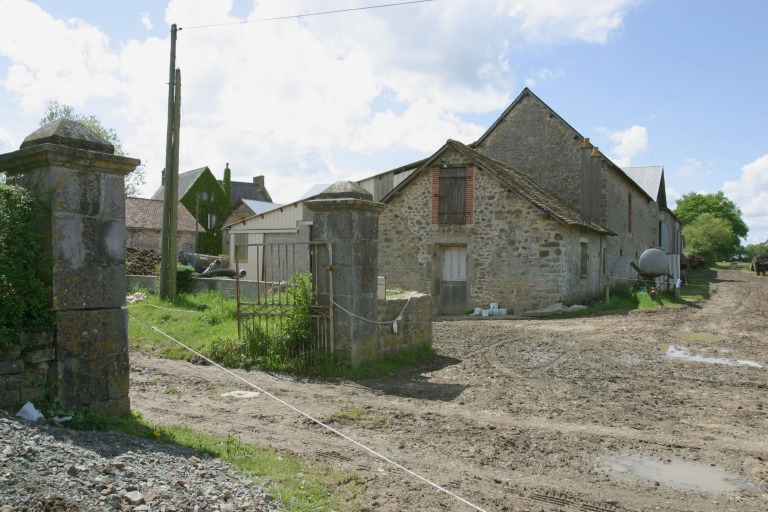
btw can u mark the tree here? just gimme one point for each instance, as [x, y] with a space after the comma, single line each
[752, 250]
[55, 111]
[693, 205]
[227, 183]
[709, 236]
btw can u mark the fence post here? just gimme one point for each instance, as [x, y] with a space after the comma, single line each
[608, 291]
[346, 217]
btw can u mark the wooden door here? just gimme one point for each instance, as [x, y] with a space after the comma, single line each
[453, 285]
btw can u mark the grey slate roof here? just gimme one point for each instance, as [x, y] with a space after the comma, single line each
[148, 214]
[515, 181]
[245, 190]
[186, 180]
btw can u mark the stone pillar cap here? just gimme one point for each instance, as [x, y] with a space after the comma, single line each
[73, 134]
[345, 190]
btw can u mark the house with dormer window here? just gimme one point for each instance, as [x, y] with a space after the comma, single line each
[210, 200]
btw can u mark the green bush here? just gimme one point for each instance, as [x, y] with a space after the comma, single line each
[282, 342]
[24, 294]
[184, 274]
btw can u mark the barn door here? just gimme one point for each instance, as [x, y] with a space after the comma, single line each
[453, 286]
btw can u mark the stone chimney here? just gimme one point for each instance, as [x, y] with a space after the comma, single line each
[259, 182]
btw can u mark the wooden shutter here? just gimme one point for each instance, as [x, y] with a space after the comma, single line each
[453, 196]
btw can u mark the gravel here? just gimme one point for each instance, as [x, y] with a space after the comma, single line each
[51, 468]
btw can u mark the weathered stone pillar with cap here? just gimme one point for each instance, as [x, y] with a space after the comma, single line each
[345, 216]
[76, 174]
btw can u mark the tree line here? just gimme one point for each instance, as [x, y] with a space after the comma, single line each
[713, 227]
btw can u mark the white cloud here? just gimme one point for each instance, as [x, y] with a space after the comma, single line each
[543, 74]
[77, 67]
[146, 21]
[628, 144]
[6, 141]
[286, 98]
[559, 21]
[750, 193]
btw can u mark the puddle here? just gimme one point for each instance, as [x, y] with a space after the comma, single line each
[697, 336]
[675, 352]
[241, 394]
[678, 474]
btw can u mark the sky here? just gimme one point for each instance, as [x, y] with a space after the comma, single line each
[317, 98]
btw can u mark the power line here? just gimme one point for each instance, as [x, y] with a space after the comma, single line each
[309, 14]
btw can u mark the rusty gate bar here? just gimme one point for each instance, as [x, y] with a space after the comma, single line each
[277, 266]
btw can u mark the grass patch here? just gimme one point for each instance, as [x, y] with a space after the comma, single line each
[626, 298]
[207, 323]
[357, 416]
[197, 320]
[298, 485]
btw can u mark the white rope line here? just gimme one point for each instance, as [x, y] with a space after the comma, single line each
[160, 307]
[399, 317]
[328, 427]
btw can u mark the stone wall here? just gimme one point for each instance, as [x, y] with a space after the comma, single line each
[28, 371]
[626, 246]
[414, 329]
[142, 238]
[534, 140]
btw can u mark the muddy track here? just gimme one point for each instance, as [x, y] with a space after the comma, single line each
[525, 414]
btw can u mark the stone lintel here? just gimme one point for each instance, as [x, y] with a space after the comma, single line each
[53, 155]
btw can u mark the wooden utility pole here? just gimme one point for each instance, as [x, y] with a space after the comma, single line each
[171, 190]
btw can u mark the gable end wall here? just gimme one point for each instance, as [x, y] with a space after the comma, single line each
[517, 255]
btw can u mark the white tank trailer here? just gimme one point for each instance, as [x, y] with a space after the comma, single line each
[653, 264]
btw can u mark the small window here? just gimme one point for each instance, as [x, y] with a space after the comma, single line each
[211, 220]
[629, 213]
[204, 196]
[584, 258]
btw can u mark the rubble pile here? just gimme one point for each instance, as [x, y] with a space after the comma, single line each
[141, 262]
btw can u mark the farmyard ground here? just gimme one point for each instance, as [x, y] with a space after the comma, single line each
[588, 414]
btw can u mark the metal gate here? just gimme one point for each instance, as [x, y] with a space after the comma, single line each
[288, 302]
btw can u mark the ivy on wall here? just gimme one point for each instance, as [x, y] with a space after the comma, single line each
[204, 198]
[24, 292]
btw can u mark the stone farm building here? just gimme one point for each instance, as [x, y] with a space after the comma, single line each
[144, 225]
[462, 229]
[529, 215]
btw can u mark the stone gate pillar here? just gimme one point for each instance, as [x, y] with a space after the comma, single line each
[80, 181]
[346, 217]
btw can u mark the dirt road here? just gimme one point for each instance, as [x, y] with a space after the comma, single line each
[652, 410]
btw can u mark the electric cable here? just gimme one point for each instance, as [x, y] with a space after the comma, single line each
[277, 18]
